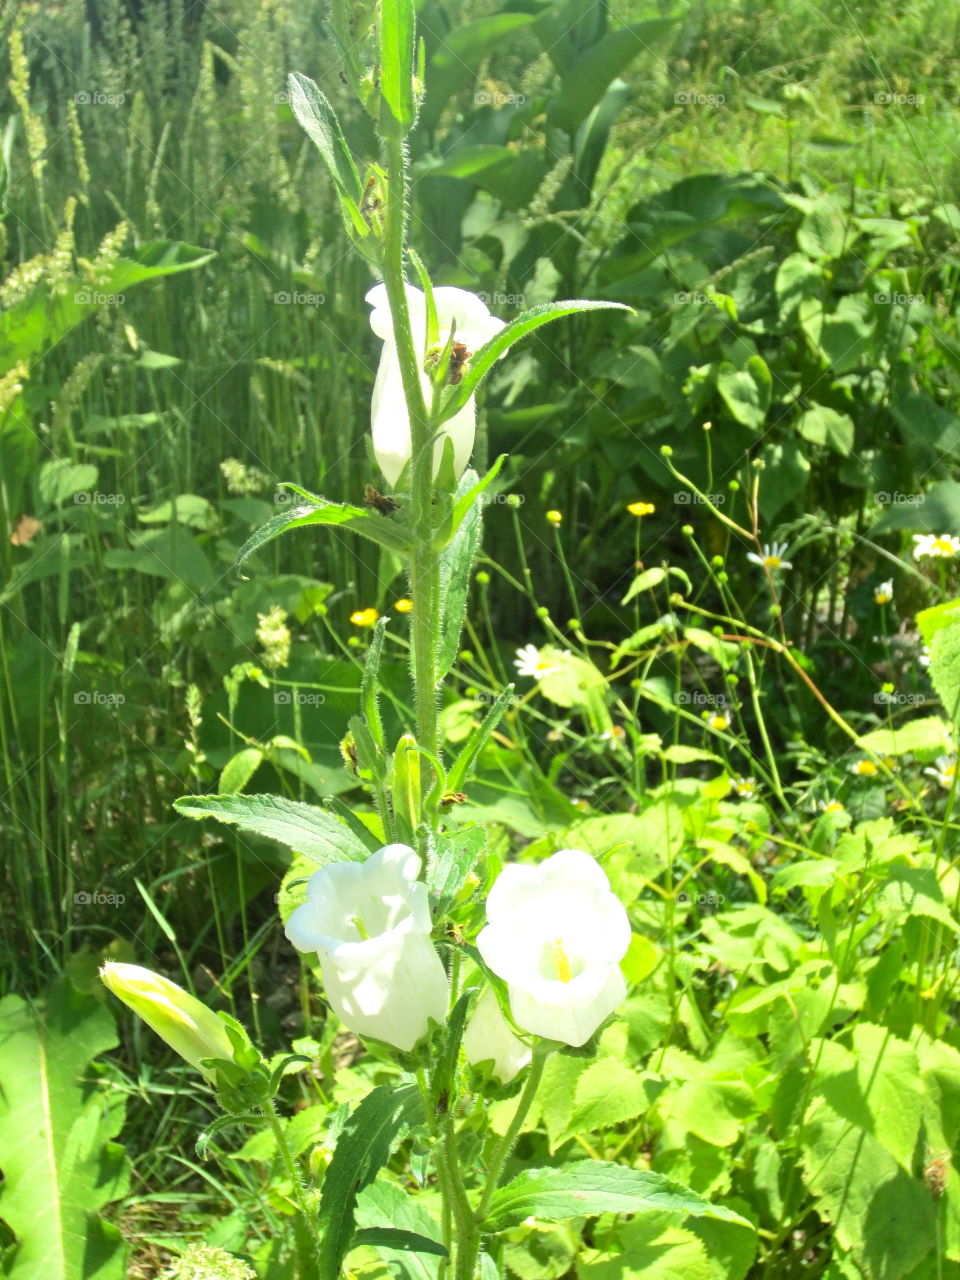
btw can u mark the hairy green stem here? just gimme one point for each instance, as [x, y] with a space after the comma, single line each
[308, 1265]
[509, 1138]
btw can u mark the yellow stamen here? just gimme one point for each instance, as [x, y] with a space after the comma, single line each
[561, 961]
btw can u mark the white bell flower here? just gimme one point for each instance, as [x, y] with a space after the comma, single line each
[473, 326]
[556, 934]
[369, 923]
[488, 1038]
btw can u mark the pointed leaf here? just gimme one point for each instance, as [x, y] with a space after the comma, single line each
[299, 826]
[371, 524]
[319, 120]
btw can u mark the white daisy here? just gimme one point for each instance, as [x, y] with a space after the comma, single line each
[531, 662]
[771, 557]
[945, 771]
[883, 594]
[939, 545]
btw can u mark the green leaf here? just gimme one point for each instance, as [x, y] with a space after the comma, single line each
[460, 770]
[456, 564]
[825, 426]
[746, 392]
[456, 855]
[59, 1163]
[378, 528]
[945, 668]
[60, 479]
[303, 827]
[397, 31]
[363, 1148]
[384, 1204]
[876, 1086]
[319, 120]
[582, 87]
[397, 1239]
[482, 361]
[462, 50]
[239, 769]
[369, 707]
[645, 1253]
[592, 1187]
[608, 1093]
[925, 737]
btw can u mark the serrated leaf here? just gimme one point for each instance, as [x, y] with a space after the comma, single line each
[945, 668]
[482, 361]
[303, 827]
[592, 1187]
[363, 1148]
[928, 736]
[319, 121]
[607, 1093]
[455, 856]
[371, 524]
[59, 1165]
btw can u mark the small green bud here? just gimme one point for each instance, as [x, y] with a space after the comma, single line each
[574, 624]
[514, 500]
[543, 612]
[466, 655]
[723, 576]
[482, 578]
[687, 530]
[666, 451]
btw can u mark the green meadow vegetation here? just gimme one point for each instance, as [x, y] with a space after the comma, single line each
[693, 610]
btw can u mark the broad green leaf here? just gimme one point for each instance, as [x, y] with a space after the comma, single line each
[186, 508]
[797, 278]
[456, 855]
[879, 1213]
[945, 668]
[930, 621]
[482, 361]
[60, 479]
[397, 31]
[645, 1253]
[928, 736]
[876, 1086]
[746, 392]
[592, 1187]
[319, 121]
[370, 523]
[462, 50]
[825, 426]
[397, 1240]
[171, 552]
[585, 83]
[59, 1164]
[384, 1204]
[608, 1093]
[303, 827]
[363, 1148]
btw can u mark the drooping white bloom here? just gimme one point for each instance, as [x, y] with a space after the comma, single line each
[369, 923]
[771, 557]
[536, 663]
[183, 1021]
[473, 325]
[938, 545]
[556, 934]
[488, 1038]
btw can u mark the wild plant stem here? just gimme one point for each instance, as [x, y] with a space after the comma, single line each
[308, 1267]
